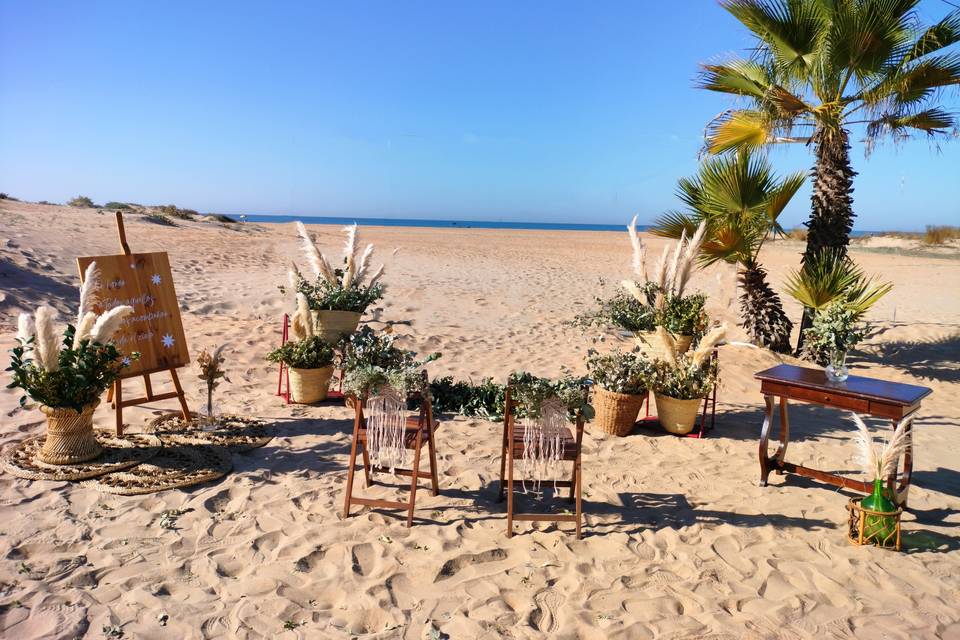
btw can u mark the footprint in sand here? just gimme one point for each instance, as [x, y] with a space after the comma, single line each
[544, 616]
[363, 559]
[451, 567]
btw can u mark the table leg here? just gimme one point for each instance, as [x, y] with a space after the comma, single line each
[902, 489]
[764, 438]
[784, 432]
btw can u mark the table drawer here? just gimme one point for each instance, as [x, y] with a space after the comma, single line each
[826, 398]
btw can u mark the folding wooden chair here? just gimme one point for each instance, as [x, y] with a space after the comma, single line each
[418, 431]
[513, 448]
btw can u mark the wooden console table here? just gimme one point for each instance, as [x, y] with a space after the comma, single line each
[865, 396]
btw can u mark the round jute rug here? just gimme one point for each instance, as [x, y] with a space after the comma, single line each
[119, 452]
[236, 433]
[178, 464]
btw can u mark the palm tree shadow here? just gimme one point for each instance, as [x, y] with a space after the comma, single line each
[932, 359]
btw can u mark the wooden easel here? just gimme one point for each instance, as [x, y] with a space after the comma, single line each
[115, 393]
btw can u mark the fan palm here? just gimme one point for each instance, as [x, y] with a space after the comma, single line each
[740, 199]
[831, 276]
[821, 67]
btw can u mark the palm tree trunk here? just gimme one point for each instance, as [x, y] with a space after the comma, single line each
[761, 311]
[831, 217]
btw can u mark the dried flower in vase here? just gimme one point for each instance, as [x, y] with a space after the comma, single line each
[211, 372]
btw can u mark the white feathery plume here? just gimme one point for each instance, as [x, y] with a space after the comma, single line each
[84, 328]
[350, 255]
[670, 352]
[707, 343]
[219, 350]
[302, 324]
[375, 278]
[364, 264]
[639, 250]
[47, 348]
[294, 276]
[675, 262]
[689, 258]
[24, 327]
[898, 443]
[89, 291]
[866, 451]
[661, 273]
[109, 323]
[634, 290]
[318, 263]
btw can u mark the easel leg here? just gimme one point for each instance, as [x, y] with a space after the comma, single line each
[764, 439]
[183, 400]
[118, 403]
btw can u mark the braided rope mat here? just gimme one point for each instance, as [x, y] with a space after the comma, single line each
[177, 465]
[237, 434]
[118, 453]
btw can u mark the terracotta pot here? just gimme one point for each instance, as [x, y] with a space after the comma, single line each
[652, 346]
[333, 325]
[616, 413]
[677, 416]
[310, 385]
[70, 438]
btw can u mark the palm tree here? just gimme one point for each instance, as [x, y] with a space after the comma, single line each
[821, 67]
[740, 199]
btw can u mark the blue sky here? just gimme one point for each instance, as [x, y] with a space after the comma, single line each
[532, 111]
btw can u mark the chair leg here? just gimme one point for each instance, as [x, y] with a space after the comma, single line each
[350, 470]
[573, 481]
[503, 465]
[510, 492]
[367, 469]
[579, 482]
[413, 480]
[433, 466]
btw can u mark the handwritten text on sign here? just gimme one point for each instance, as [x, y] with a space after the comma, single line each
[143, 281]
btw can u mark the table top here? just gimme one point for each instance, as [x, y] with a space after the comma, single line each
[854, 386]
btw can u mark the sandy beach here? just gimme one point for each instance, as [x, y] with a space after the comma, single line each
[679, 539]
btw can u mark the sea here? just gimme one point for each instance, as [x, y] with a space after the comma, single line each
[458, 224]
[442, 224]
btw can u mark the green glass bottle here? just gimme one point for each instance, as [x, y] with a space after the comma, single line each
[877, 528]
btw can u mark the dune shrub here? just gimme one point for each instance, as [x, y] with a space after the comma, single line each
[81, 201]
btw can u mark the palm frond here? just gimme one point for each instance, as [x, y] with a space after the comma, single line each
[738, 130]
[936, 37]
[933, 121]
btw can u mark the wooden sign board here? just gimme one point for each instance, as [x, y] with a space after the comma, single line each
[143, 281]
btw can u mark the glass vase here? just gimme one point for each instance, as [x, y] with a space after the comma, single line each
[879, 528]
[837, 366]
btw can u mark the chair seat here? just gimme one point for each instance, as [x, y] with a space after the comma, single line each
[566, 439]
[410, 433]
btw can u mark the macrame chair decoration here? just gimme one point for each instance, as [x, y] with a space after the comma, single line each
[385, 434]
[542, 445]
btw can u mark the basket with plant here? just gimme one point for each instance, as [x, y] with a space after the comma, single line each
[681, 381]
[309, 358]
[620, 382]
[66, 374]
[337, 296]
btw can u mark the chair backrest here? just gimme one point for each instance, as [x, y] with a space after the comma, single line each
[509, 419]
[425, 412]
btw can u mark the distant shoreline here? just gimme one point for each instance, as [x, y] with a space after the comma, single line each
[459, 224]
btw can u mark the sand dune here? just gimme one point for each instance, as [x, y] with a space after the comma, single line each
[680, 542]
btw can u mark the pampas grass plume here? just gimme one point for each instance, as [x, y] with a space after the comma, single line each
[89, 291]
[639, 250]
[109, 323]
[318, 263]
[47, 347]
[24, 327]
[84, 328]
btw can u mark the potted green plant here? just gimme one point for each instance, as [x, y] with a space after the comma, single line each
[66, 374]
[682, 380]
[337, 296]
[310, 362]
[620, 383]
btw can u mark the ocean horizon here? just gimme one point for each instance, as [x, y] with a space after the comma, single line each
[457, 224]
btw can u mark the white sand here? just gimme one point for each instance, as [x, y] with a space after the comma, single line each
[679, 539]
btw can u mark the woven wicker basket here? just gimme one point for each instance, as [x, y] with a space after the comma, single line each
[652, 346]
[616, 413]
[70, 438]
[310, 385]
[677, 416]
[332, 325]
